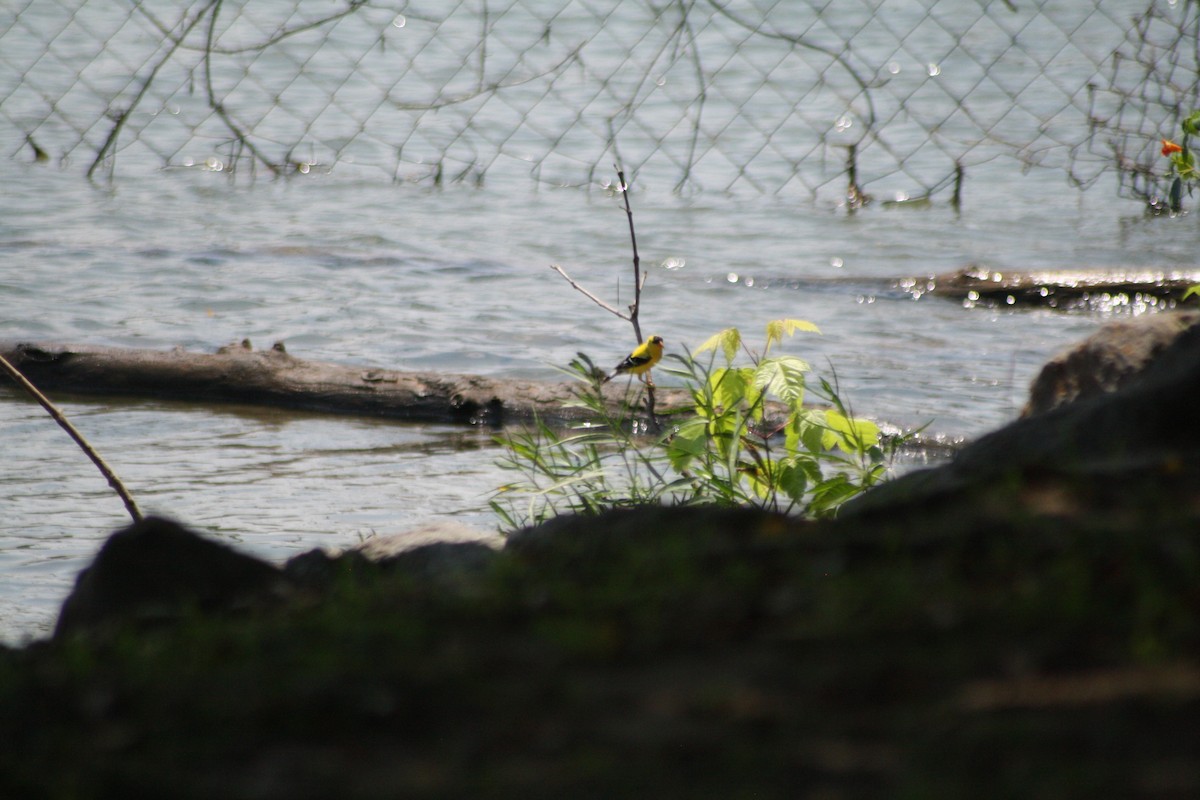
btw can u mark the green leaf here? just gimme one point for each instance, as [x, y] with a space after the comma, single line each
[792, 479]
[688, 443]
[729, 340]
[730, 387]
[1192, 290]
[1191, 125]
[783, 377]
[778, 328]
[852, 435]
[806, 430]
[831, 493]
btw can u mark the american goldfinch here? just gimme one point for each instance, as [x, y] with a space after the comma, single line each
[639, 362]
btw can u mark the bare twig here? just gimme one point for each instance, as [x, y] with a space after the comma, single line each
[638, 281]
[65, 424]
[110, 142]
[241, 137]
[586, 293]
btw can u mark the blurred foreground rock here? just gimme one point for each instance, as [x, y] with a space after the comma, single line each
[155, 571]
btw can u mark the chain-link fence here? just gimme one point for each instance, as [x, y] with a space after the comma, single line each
[1148, 86]
[780, 97]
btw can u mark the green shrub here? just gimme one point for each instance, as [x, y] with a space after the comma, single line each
[748, 439]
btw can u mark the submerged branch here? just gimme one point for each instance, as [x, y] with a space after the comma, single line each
[66, 425]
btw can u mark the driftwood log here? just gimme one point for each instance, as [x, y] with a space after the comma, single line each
[1055, 287]
[240, 374]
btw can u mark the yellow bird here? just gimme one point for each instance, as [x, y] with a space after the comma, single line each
[639, 362]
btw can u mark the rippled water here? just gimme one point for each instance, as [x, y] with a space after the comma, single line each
[273, 483]
[458, 280]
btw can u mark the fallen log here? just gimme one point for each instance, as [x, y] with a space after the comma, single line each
[240, 374]
[1057, 287]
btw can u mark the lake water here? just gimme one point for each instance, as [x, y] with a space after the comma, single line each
[354, 269]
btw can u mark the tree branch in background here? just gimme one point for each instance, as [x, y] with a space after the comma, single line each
[586, 293]
[65, 424]
[639, 280]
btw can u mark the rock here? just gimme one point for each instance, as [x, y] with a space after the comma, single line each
[1106, 360]
[378, 548]
[158, 570]
[438, 550]
[444, 562]
[585, 538]
[1145, 425]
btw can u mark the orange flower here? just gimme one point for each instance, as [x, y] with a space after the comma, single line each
[1170, 147]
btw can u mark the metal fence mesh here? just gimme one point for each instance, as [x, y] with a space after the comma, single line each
[782, 97]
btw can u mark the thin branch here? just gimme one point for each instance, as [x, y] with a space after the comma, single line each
[241, 137]
[701, 96]
[652, 423]
[65, 424]
[274, 39]
[639, 280]
[111, 141]
[637, 262]
[586, 293]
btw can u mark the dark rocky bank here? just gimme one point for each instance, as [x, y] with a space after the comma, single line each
[1022, 622]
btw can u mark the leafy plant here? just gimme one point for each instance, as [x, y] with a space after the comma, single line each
[754, 440]
[747, 439]
[606, 462]
[1183, 161]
